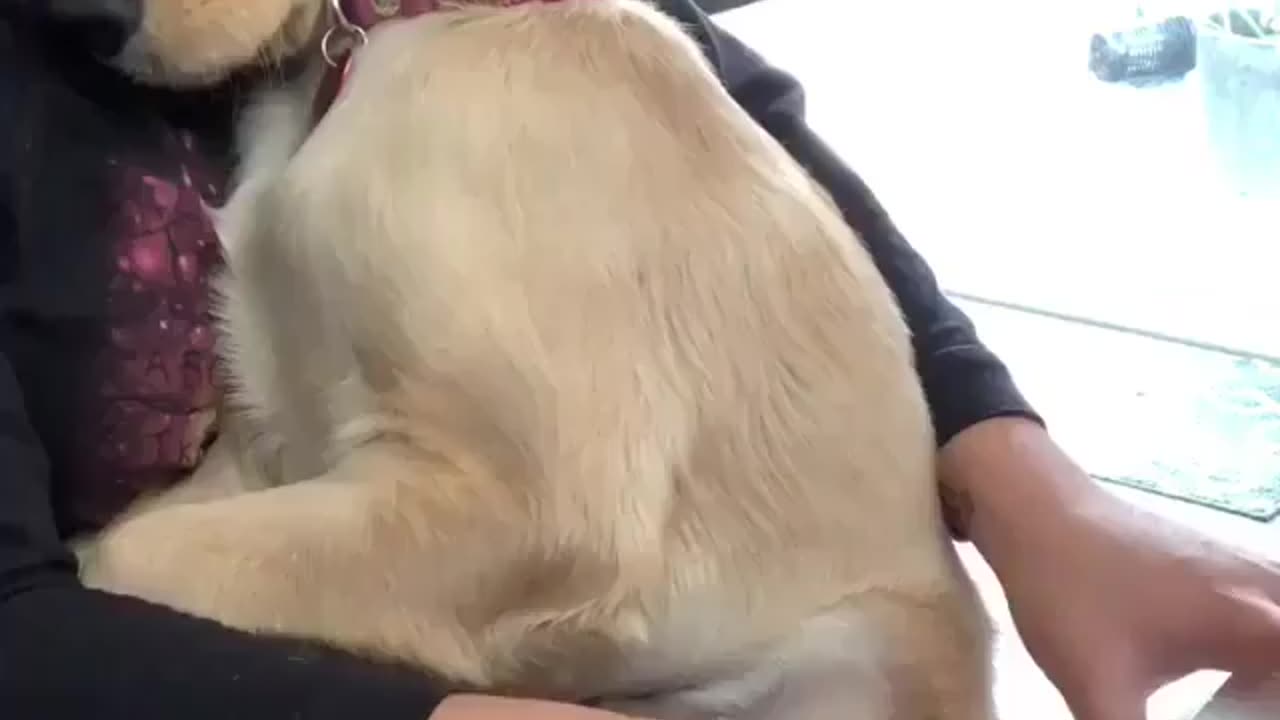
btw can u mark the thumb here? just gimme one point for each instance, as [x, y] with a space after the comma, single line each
[1110, 691]
[1249, 640]
[1109, 703]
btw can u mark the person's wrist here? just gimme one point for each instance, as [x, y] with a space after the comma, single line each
[1006, 480]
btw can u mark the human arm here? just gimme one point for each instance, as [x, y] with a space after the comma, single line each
[1111, 601]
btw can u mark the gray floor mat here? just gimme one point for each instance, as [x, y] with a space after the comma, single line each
[1169, 418]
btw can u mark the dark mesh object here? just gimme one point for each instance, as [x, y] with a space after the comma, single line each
[1145, 55]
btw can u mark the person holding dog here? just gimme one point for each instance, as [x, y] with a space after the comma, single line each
[108, 389]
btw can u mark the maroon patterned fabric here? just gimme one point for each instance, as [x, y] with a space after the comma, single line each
[152, 409]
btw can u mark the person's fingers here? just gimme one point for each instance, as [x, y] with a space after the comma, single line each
[1109, 700]
[1260, 571]
[1250, 639]
[1113, 686]
[1271, 579]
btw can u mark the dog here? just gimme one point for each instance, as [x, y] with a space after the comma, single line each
[553, 375]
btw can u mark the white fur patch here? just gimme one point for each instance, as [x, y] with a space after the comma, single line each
[833, 668]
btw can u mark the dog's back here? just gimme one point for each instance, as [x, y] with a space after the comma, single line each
[599, 329]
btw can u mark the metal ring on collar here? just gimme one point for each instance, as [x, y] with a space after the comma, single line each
[333, 56]
[342, 29]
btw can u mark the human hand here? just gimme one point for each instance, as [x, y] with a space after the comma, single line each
[483, 707]
[1113, 602]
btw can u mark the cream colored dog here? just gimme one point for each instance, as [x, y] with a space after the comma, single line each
[562, 379]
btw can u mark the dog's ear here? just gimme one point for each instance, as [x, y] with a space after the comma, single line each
[195, 42]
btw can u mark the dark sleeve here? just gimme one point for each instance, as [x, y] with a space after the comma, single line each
[67, 653]
[71, 653]
[964, 381]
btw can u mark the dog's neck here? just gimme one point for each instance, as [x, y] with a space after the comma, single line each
[367, 13]
[354, 18]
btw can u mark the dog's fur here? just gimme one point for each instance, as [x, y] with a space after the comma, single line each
[590, 390]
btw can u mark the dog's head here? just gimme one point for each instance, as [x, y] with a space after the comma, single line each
[185, 43]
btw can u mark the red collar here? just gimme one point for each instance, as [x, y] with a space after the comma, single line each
[352, 19]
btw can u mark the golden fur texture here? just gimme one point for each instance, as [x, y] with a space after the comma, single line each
[569, 382]
[198, 42]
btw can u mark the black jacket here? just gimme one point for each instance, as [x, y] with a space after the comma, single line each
[71, 296]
